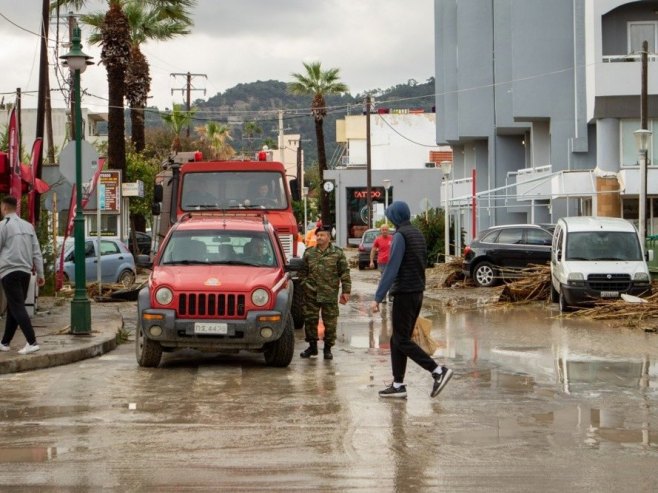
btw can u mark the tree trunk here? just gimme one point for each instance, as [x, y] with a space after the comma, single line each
[322, 166]
[137, 121]
[138, 85]
[116, 128]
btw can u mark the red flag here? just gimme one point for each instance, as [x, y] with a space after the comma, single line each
[32, 194]
[15, 160]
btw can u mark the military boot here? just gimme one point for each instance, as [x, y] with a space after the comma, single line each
[327, 352]
[311, 350]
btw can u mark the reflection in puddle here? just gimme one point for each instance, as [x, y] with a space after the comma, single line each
[36, 454]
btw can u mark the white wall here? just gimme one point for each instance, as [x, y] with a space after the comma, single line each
[398, 141]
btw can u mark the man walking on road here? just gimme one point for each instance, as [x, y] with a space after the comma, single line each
[325, 269]
[405, 277]
[381, 248]
[20, 254]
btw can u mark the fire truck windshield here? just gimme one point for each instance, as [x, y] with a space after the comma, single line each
[233, 190]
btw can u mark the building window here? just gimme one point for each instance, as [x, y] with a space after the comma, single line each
[638, 32]
[628, 148]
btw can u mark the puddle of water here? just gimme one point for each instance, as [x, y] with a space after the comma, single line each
[35, 454]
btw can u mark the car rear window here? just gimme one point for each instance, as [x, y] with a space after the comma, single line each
[512, 236]
[489, 236]
[538, 237]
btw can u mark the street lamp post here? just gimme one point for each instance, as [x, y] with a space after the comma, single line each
[387, 186]
[446, 168]
[77, 62]
[305, 192]
[642, 139]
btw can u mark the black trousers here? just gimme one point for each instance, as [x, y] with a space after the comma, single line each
[16, 284]
[406, 308]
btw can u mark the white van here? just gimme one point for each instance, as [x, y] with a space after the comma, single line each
[596, 258]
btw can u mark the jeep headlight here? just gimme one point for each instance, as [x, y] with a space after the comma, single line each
[164, 296]
[641, 277]
[260, 297]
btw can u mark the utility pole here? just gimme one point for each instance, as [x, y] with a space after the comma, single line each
[644, 164]
[281, 139]
[368, 162]
[300, 175]
[188, 88]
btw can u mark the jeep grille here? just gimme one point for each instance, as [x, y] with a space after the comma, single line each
[286, 243]
[616, 282]
[211, 305]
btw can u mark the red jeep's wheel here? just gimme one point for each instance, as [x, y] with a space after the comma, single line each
[279, 353]
[148, 352]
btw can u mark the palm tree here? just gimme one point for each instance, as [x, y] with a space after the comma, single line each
[177, 119]
[318, 83]
[249, 131]
[115, 55]
[121, 30]
[216, 136]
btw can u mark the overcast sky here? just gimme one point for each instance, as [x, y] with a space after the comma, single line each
[375, 43]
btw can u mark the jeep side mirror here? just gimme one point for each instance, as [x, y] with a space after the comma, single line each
[144, 261]
[294, 189]
[294, 264]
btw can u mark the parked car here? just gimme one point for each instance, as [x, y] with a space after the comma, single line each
[500, 252]
[117, 263]
[367, 239]
[143, 242]
[596, 258]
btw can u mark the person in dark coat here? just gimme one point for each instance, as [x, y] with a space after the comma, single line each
[404, 278]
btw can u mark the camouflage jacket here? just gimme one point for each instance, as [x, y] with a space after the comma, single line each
[324, 271]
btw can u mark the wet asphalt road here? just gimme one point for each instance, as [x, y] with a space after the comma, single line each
[537, 404]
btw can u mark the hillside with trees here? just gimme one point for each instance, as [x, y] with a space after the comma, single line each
[251, 112]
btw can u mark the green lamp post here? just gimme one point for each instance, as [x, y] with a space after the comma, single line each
[76, 60]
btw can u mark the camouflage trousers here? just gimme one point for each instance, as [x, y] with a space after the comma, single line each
[312, 310]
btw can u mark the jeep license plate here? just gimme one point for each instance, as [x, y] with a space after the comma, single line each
[609, 294]
[210, 328]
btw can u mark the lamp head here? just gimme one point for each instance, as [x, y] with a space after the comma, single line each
[76, 59]
[642, 138]
[387, 183]
[446, 167]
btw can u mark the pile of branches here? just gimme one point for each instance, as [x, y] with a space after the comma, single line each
[534, 284]
[106, 289]
[453, 272]
[620, 309]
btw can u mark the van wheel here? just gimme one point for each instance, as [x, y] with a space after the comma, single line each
[148, 352]
[279, 353]
[555, 296]
[297, 307]
[563, 303]
[484, 275]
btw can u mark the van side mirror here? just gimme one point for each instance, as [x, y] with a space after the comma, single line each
[648, 255]
[144, 261]
[558, 254]
[295, 264]
[158, 193]
[294, 189]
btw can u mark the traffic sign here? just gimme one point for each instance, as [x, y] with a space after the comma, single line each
[67, 161]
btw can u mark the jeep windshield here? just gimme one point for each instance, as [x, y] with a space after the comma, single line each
[219, 248]
[603, 246]
[233, 190]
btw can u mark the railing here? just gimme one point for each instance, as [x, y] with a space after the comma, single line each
[628, 58]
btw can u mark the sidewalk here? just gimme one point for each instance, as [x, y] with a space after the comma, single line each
[59, 347]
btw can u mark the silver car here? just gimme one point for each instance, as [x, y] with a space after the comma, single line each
[117, 263]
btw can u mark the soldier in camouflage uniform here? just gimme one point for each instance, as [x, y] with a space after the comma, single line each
[325, 268]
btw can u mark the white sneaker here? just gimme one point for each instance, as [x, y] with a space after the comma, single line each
[4, 348]
[29, 348]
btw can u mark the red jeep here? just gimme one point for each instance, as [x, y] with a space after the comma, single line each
[220, 283]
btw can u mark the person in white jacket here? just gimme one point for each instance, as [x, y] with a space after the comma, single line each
[20, 255]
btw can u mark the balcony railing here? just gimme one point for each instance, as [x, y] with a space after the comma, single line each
[628, 58]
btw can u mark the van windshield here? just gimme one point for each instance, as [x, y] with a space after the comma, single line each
[603, 245]
[233, 190]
